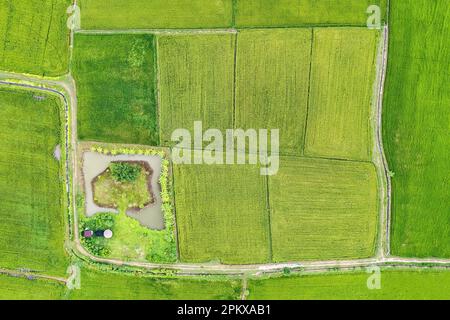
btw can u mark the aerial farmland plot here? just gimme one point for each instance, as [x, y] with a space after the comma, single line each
[224, 150]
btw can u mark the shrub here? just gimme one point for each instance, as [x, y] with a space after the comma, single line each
[125, 172]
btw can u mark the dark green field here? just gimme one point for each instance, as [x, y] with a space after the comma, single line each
[116, 77]
[416, 127]
[32, 228]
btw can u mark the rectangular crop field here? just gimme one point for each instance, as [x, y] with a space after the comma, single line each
[322, 209]
[272, 83]
[151, 14]
[116, 84]
[32, 197]
[196, 82]
[416, 117]
[342, 87]
[115, 286]
[34, 36]
[282, 13]
[221, 213]
[395, 284]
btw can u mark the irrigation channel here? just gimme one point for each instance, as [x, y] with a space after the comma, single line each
[65, 88]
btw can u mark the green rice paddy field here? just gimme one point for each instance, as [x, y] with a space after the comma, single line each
[196, 82]
[323, 210]
[116, 86]
[190, 14]
[221, 213]
[34, 36]
[32, 229]
[272, 83]
[416, 127]
[263, 13]
[404, 284]
[342, 87]
[99, 285]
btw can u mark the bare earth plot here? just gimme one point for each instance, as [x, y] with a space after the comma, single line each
[272, 83]
[34, 37]
[145, 14]
[32, 228]
[342, 82]
[196, 82]
[323, 210]
[221, 213]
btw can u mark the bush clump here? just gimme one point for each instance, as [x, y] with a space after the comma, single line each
[125, 172]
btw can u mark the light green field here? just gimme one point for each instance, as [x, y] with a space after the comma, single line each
[272, 83]
[145, 14]
[402, 285]
[342, 87]
[116, 83]
[251, 13]
[416, 119]
[34, 36]
[221, 213]
[32, 228]
[96, 285]
[15, 288]
[323, 210]
[196, 82]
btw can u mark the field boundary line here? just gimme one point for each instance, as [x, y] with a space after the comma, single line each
[269, 218]
[31, 275]
[305, 130]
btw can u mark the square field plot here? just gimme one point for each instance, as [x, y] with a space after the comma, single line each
[156, 14]
[272, 83]
[32, 197]
[221, 213]
[116, 84]
[342, 87]
[196, 82]
[322, 209]
[34, 36]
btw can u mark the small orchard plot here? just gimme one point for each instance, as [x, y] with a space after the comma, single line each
[118, 286]
[196, 82]
[322, 209]
[145, 14]
[221, 213]
[272, 83]
[342, 87]
[32, 196]
[251, 13]
[116, 78]
[34, 36]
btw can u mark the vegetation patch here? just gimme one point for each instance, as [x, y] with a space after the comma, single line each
[144, 14]
[342, 87]
[196, 82]
[34, 36]
[116, 84]
[221, 213]
[29, 288]
[416, 117]
[123, 186]
[131, 241]
[272, 80]
[32, 196]
[323, 210]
